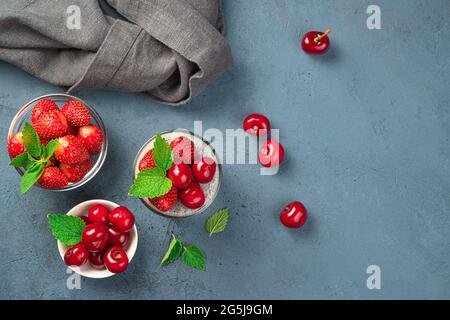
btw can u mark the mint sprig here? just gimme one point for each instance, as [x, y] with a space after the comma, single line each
[66, 229]
[152, 182]
[34, 159]
[191, 256]
[194, 257]
[31, 140]
[162, 153]
[217, 222]
[173, 252]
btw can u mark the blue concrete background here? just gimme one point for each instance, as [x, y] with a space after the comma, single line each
[366, 129]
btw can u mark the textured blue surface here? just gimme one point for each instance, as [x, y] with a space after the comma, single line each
[366, 129]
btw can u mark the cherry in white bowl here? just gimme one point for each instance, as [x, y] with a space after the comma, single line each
[86, 269]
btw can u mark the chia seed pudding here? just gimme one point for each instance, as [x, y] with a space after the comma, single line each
[210, 190]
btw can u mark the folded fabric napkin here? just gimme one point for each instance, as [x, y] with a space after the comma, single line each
[170, 49]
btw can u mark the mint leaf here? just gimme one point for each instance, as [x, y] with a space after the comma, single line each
[150, 183]
[20, 161]
[31, 176]
[217, 222]
[49, 149]
[162, 153]
[173, 252]
[194, 257]
[66, 229]
[31, 140]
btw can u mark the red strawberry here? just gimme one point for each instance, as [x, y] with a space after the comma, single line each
[76, 113]
[71, 151]
[75, 172]
[92, 138]
[53, 178]
[50, 125]
[42, 107]
[15, 145]
[183, 150]
[165, 202]
[147, 161]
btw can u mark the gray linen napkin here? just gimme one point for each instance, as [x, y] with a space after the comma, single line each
[170, 49]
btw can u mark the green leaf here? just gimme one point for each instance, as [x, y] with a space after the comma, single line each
[31, 140]
[50, 148]
[194, 257]
[31, 176]
[173, 252]
[162, 153]
[150, 183]
[67, 229]
[20, 161]
[217, 222]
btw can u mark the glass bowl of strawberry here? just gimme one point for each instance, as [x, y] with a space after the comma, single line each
[57, 142]
[96, 238]
[176, 174]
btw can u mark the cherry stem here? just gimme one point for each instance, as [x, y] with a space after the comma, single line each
[320, 36]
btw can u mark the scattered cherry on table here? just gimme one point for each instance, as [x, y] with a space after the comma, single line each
[316, 42]
[294, 215]
[256, 124]
[271, 153]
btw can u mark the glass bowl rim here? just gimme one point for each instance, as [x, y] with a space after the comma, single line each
[219, 167]
[101, 156]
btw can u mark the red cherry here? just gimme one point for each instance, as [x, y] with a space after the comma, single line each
[316, 42]
[192, 196]
[256, 124]
[95, 237]
[98, 213]
[294, 215]
[180, 174]
[271, 153]
[122, 218]
[115, 259]
[117, 237]
[86, 220]
[96, 260]
[204, 170]
[76, 256]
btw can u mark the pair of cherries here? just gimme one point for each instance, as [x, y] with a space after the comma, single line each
[104, 230]
[271, 152]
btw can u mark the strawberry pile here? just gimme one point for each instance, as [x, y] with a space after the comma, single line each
[56, 149]
[170, 172]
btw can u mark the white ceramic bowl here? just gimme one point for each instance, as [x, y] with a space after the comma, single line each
[86, 270]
